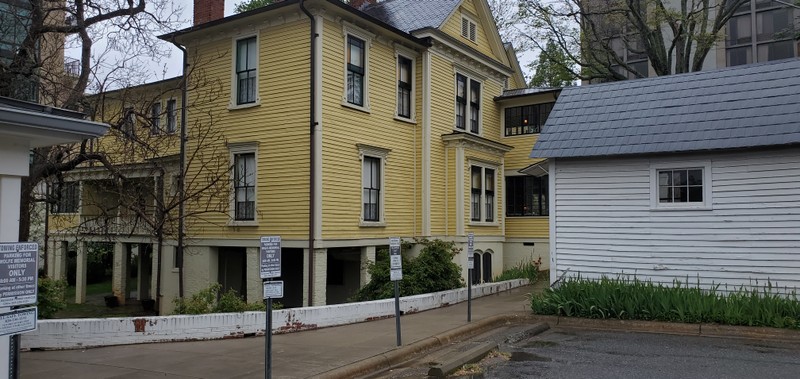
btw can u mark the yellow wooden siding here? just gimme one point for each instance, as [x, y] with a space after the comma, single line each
[62, 222]
[442, 122]
[453, 27]
[279, 126]
[483, 158]
[344, 127]
[518, 158]
[527, 227]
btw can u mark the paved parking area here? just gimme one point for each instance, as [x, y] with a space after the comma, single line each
[580, 353]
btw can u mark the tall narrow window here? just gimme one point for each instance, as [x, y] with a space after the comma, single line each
[476, 193]
[129, 120]
[474, 105]
[246, 63]
[476, 268]
[67, 196]
[488, 193]
[244, 186]
[371, 183]
[461, 101]
[404, 87]
[355, 71]
[171, 116]
[155, 118]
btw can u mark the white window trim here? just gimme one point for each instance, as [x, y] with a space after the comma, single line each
[242, 148]
[232, 103]
[705, 165]
[382, 154]
[166, 115]
[161, 119]
[348, 30]
[484, 165]
[471, 20]
[467, 112]
[410, 55]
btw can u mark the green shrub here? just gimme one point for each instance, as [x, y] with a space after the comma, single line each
[212, 300]
[524, 270]
[433, 270]
[51, 297]
[626, 298]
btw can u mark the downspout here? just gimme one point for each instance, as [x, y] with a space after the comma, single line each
[312, 153]
[181, 174]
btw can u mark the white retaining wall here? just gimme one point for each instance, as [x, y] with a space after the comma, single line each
[80, 333]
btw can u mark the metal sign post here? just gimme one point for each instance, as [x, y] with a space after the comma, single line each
[470, 267]
[396, 275]
[270, 259]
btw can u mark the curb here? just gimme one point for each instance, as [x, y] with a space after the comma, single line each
[705, 330]
[470, 356]
[402, 353]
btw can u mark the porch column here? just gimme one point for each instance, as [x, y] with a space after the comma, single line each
[119, 273]
[254, 290]
[367, 255]
[80, 274]
[59, 252]
[320, 277]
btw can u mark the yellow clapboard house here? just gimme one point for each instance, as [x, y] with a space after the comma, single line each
[341, 125]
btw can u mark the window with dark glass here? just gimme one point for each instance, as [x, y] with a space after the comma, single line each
[482, 193]
[680, 186]
[488, 193]
[246, 64]
[371, 183]
[761, 31]
[66, 199]
[527, 119]
[128, 120]
[155, 118]
[476, 193]
[355, 71]
[172, 116]
[461, 101]
[244, 186]
[474, 105]
[404, 87]
[526, 196]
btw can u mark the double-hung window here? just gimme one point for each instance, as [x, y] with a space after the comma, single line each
[355, 70]
[172, 112]
[67, 196]
[468, 91]
[246, 70]
[244, 186]
[404, 78]
[155, 118]
[482, 193]
[371, 183]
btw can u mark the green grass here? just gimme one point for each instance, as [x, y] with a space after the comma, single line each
[95, 307]
[631, 299]
[524, 270]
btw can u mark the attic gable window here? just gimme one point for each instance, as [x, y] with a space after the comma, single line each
[469, 29]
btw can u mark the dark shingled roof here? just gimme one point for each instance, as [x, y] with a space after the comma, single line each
[410, 15]
[740, 107]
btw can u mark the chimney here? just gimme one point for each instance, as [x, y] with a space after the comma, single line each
[359, 4]
[208, 10]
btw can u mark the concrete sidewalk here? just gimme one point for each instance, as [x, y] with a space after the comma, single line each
[294, 355]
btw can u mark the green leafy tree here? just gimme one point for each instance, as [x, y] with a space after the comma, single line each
[553, 68]
[252, 4]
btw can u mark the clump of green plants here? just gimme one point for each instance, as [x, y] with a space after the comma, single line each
[632, 299]
[51, 297]
[432, 271]
[524, 270]
[213, 300]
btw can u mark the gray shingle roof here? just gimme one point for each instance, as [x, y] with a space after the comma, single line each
[410, 15]
[745, 106]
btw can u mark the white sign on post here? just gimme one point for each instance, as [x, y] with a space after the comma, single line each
[18, 321]
[470, 251]
[18, 273]
[273, 289]
[395, 260]
[270, 258]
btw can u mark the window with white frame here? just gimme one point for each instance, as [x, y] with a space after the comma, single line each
[468, 103]
[155, 118]
[244, 185]
[356, 70]
[172, 116]
[482, 193]
[405, 79]
[373, 160]
[469, 29]
[681, 186]
[246, 71]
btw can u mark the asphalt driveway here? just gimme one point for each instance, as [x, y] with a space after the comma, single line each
[579, 353]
